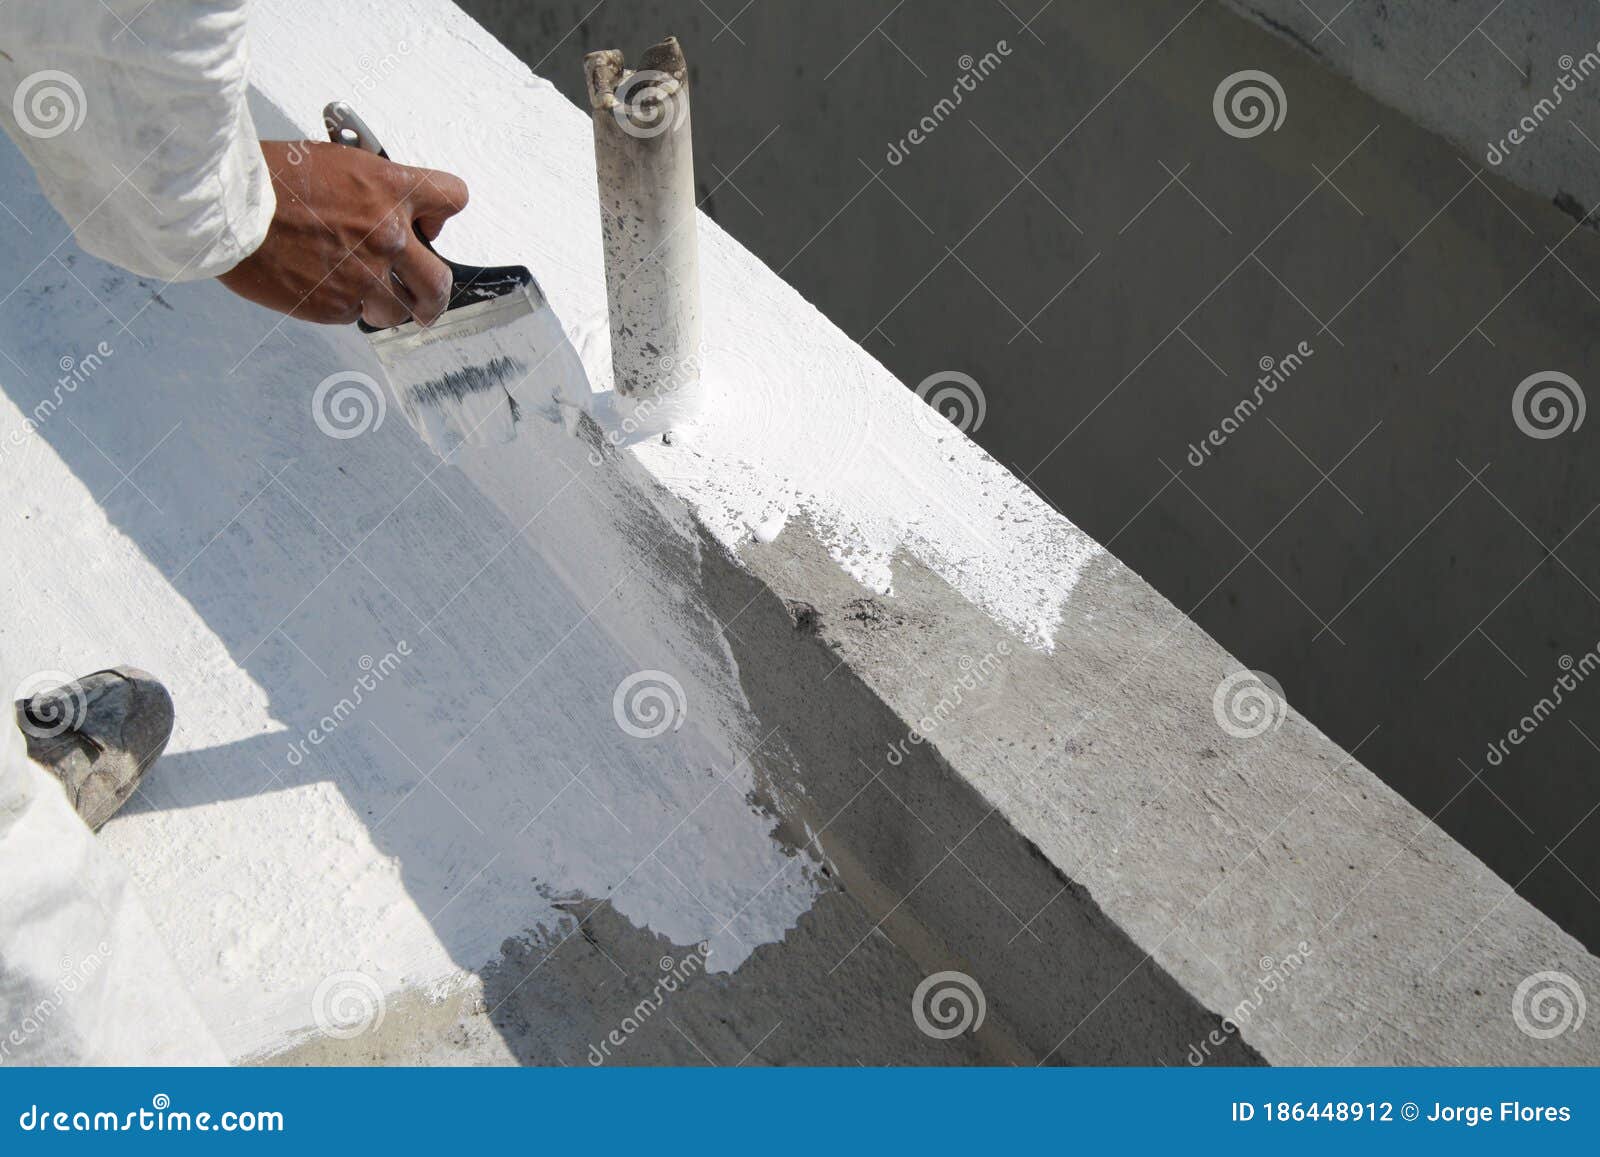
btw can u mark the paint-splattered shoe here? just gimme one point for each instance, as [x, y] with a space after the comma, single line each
[98, 735]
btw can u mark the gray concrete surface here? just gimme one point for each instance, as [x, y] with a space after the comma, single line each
[1505, 83]
[839, 988]
[1381, 537]
[1080, 835]
[1077, 834]
[1214, 854]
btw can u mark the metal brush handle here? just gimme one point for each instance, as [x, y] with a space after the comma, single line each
[469, 284]
[346, 128]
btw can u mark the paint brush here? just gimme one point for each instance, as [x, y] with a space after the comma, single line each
[459, 380]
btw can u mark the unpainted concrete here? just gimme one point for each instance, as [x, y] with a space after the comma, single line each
[919, 860]
[1218, 857]
[1086, 798]
[1338, 540]
[1481, 79]
[1075, 832]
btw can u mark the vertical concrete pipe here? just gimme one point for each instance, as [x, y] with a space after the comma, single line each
[644, 162]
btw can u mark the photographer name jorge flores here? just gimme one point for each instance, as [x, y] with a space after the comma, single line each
[1514, 1111]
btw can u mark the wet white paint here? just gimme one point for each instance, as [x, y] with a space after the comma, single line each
[792, 414]
[184, 511]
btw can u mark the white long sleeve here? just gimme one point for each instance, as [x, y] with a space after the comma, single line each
[133, 116]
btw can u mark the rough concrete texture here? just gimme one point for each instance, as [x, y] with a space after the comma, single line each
[1123, 879]
[554, 998]
[1339, 540]
[1475, 74]
[929, 877]
[1104, 784]
[1080, 836]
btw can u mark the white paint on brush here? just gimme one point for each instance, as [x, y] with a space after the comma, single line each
[794, 414]
[253, 561]
[396, 682]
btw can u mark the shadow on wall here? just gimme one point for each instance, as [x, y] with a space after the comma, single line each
[1118, 274]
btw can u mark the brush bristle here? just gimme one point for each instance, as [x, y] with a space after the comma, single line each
[495, 377]
[458, 382]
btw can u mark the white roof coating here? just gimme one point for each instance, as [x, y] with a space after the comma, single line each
[400, 736]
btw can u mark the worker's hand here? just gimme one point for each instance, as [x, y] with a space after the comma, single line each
[342, 244]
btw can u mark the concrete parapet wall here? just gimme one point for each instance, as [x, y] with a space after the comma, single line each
[1005, 753]
[1120, 852]
[1069, 820]
[1519, 91]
